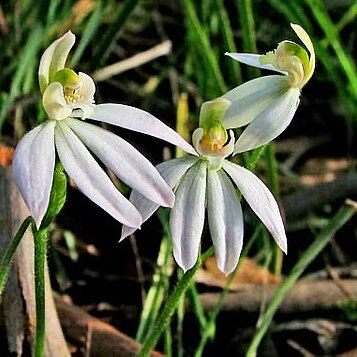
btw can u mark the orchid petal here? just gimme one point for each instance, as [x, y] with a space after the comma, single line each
[33, 166]
[54, 58]
[253, 59]
[260, 199]
[54, 103]
[305, 39]
[172, 171]
[252, 98]
[87, 89]
[138, 120]
[270, 123]
[90, 178]
[225, 220]
[125, 161]
[188, 215]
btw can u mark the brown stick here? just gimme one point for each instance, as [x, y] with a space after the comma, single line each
[105, 340]
[305, 296]
[300, 202]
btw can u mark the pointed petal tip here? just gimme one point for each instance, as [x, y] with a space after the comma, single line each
[38, 220]
[185, 266]
[167, 198]
[226, 270]
[170, 200]
[127, 231]
[284, 247]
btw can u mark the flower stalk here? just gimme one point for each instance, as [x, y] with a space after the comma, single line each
[170, 306]
[9, 254]
[40, 240]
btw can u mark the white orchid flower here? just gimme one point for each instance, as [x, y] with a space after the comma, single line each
[269, 103]
[68, 101]
[206, 182]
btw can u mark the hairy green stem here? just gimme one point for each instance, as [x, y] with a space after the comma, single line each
[171, 305]
[340, 219]
[10, 251]
[40, 237]
[255, 156]
[273, 179]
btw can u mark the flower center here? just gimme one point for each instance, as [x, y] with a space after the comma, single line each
[214, 139]
[71, 85]
[72, 95]
[291, 58]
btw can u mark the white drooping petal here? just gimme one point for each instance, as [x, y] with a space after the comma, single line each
[33, 166]
[54, 102]
[172, 171]
[188, 215]
[90, 178]
[253, 59]
[270, 123]
[125, 161]
[252, 98]
[260, 199]
[54, 58]
[225, 220]
[138, 120]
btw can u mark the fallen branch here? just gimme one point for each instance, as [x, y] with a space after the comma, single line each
[301, 202]
[307, 296]
[100, 338]
[135, 61]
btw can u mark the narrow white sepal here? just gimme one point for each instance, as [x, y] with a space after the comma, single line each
[125, 161]
[188, 215]
[225, 220]
[172, 171]
[138, 120]
[252, 98]
[90, 178]
[253, 59]
[33, 166]
[270, 123]
[260, 199]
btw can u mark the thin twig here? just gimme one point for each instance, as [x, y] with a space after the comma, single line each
[135, 61]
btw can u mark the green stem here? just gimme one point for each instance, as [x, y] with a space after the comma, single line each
[180, 316]
[197, 306]
[273, 179]
[255, 156]
[341, 217]
[10, 251]
[40, 237]
[171, 305]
